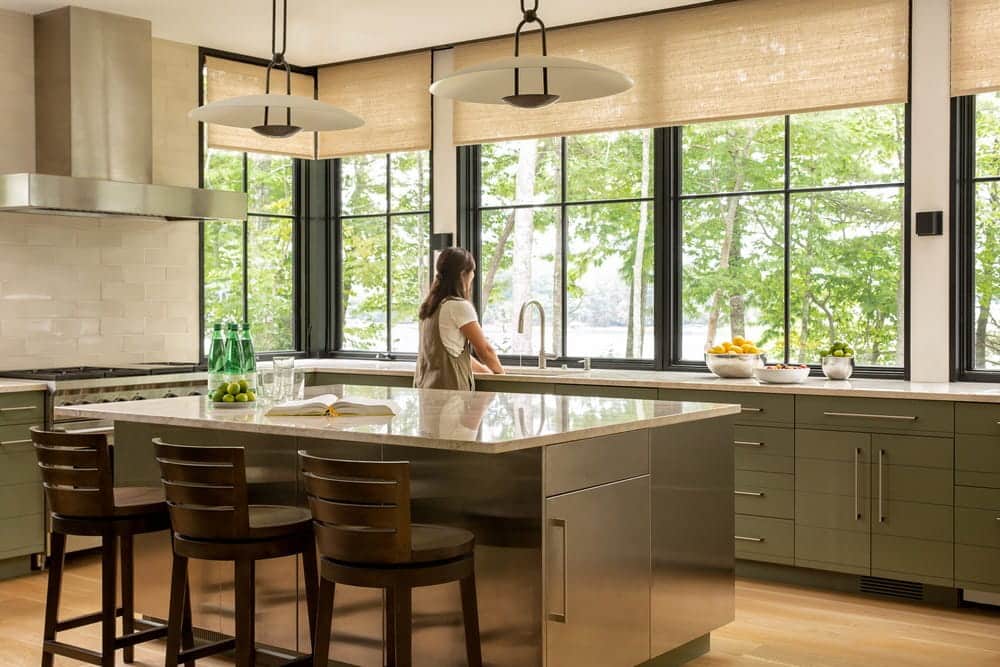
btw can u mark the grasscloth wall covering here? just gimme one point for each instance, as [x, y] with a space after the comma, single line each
[975, 46]
[390, 94]
[229, 78]
[730, 60]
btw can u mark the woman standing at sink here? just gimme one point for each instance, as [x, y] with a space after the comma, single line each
[449, 328]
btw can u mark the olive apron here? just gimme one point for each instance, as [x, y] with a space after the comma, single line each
[436, 367]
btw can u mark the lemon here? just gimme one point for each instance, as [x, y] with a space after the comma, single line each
[747, 348]
[739, 340]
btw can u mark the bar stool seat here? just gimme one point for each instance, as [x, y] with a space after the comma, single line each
[139, 500]
[276, 521]
[432, 542]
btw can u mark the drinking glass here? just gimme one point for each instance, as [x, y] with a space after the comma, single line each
[283, 383]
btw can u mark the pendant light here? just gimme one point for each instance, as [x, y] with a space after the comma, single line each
[531, 82]
[277, 115]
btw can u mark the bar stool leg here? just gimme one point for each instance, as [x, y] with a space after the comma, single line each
[324, 621]
[187, 627]
[470, 614]
[178, 605]
[403, 626]
[311, 576]
[244, 613]
[56, 561]
[109, 598]
[128, 595]
[390, 627]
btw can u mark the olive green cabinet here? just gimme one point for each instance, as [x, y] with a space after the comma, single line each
[321, 378]
[22, 505]
[644, 393]
[977, 497]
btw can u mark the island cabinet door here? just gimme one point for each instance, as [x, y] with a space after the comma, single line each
[597, 583]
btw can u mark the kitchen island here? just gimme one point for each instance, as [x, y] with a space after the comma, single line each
[604, 526]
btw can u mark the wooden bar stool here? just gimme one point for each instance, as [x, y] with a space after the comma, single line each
[206, 491]
[82, 499]
[361, 516]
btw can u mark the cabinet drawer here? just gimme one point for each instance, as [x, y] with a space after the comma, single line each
[911, 450]
[977, 418]
[22, 535]
[321, 378]
[917, 520]
[912, 559]
[646, 393]
[22, 408]
[18, 465]
[21, 500]
[758, 407]
[970, 496]
[828, 549]
[15, 434]
[977, 460]
[831, 445]
[975, 564]
[764, 448]
[977, 526]
[759, 538]
[513, 387]
[882, 415]
[579, 465]
[765, 494]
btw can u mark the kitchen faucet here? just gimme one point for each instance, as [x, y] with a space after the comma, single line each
[542, 357]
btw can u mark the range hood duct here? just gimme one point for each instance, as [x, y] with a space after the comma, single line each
[94, 127]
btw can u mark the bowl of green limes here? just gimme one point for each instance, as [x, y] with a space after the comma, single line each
[234, 394]
[837, 361]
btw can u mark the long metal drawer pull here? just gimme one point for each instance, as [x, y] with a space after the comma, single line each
[758, 494]
[749, 539]
[857, 508]
[897, 418]
[96, 429]
[19, 408]
[742, 409]
[14, 442]
[747, 443]
[881, 512]
[560, 617]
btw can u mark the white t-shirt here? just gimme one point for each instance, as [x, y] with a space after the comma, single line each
[455, 314]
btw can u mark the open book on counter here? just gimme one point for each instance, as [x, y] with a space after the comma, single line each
[331, 404]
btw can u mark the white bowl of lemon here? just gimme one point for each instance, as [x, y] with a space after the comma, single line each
[734, 359]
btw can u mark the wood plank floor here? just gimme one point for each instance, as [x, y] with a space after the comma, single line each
[775, 624]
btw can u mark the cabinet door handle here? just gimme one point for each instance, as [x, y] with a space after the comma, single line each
[742, 409]
[862, 415]
[881, 512]
[19, 408]
[749, 539]
[857, 484]
[747, 443]
[758, 494]
[14, 442]
[560, 616]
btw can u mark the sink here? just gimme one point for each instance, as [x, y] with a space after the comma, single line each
[552, 371]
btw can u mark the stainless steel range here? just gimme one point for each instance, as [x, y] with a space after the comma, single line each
[83, 385]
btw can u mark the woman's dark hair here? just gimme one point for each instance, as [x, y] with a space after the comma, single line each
[452, 264]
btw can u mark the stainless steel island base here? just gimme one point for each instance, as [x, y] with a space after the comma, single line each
[614, 550]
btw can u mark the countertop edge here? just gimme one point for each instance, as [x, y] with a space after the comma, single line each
[13, 386]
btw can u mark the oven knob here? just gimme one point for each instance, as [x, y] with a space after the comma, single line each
[104, 400]
[120, 399]
[137, 397]
[194, 393]
[170, 394]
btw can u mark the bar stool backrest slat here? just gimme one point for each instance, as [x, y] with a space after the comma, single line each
[76, 472]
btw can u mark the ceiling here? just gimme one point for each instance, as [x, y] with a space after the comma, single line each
[323, 31]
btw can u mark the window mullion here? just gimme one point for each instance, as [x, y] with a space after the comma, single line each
[246, 246]
[388, 253]
[787, 237]
[564, 243]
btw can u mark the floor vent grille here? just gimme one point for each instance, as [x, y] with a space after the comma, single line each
[894, 588]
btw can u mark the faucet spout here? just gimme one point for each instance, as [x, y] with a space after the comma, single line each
[541, 317]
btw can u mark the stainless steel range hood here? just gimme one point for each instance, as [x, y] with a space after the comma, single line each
[94, 127]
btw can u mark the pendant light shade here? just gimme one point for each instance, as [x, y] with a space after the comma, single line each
[531, 82]
[276, 115]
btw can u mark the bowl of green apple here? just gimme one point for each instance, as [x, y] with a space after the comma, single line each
[234, 394]
[837, 361]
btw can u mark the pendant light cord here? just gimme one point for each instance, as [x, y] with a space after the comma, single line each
[278, 57]
[530, 16]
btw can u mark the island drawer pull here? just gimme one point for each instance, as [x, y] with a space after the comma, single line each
[96, 429]
[560, 616]
[757, 494]
[862, 415]
[747, 443]
[881, 511]
[857, 484]
[15, 442]
[743, 409]
[749, 539]
[19, 408]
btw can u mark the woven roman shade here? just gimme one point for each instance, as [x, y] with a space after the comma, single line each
[230, 78]
[728, 60]
[390, 94]
[975, 46]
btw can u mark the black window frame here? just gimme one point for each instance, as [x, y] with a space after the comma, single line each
[963, 242]
[300, 196]
[667, 230]
[335, 347]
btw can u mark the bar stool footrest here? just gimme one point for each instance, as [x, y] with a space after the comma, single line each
[206, 650]
[141, 636]
[70, 651]
[85, 619]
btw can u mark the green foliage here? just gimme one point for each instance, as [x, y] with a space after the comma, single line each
[986, 332]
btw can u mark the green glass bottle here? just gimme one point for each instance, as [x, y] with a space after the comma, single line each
[249, 358]
[234, 351]
[216, 350]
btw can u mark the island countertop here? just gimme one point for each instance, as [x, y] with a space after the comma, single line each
[482, 422]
